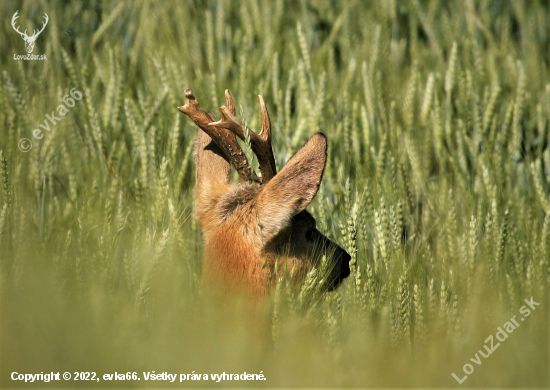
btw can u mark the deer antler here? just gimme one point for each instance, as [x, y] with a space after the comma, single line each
[261, 143]
[223, 138]
[15, 16]
[43, 26]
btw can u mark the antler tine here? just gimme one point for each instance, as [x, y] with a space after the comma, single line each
[265, 132]
[43, 25]
[261, 143]
[15, 16]
[230, 104]
[265, 136]
[223, 138]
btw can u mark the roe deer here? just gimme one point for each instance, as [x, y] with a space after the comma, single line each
[251, 227]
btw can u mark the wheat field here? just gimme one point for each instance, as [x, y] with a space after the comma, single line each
[438, 179]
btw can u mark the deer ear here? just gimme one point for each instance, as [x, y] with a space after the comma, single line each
[292, 189]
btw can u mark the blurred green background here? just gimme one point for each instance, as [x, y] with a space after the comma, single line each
[438, 180]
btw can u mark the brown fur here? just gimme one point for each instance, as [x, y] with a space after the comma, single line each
[247, 225]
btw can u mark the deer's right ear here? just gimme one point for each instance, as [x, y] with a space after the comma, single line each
[293, 188]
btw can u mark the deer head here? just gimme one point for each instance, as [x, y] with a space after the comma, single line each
[29, 41]
[261, 224]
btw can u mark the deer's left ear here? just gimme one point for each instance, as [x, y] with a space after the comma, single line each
[293, 188]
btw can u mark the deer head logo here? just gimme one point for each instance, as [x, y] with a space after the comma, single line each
[29, 41]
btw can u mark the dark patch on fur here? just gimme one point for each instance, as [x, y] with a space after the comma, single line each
[281, 244]
[235, 199]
